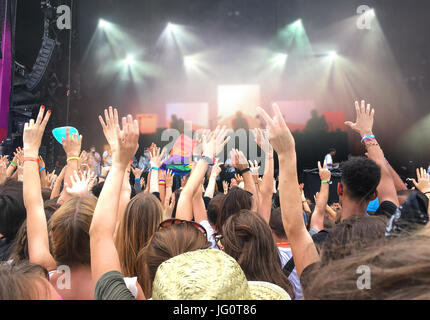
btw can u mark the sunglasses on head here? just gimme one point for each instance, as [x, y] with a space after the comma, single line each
[169, 222]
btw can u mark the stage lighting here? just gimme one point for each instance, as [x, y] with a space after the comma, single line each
[280, 59]
[332, 55]
[190, 61]
[104, 24]
[298, 24]
[172, 28]
[129, 60]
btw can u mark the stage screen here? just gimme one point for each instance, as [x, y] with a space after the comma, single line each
[197, 113]
[232, 98]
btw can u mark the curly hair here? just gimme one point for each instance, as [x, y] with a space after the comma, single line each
[361, 177]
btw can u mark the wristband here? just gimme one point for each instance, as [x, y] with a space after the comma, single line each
[42, 169]
[208, 160]
[161, 180]
[242, 172]
[137, 179]
[73, 158]
[367, 137]
[327, 181]
[154, 168]
[32, 159]
[13, 163]
[102, 176]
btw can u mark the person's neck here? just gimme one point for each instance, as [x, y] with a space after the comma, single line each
[352, 208]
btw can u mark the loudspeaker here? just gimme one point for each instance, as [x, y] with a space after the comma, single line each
[42, 63]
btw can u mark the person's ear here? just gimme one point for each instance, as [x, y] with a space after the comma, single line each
[339, 189]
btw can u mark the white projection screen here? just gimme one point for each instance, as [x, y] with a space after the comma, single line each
[197, 113]
[232, 98]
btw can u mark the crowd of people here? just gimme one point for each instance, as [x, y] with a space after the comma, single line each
[88, 233]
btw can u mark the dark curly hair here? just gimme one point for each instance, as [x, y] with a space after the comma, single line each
[360, 177]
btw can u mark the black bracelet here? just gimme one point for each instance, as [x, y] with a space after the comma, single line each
[242, 172]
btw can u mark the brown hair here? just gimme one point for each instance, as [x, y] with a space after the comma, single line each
[236, 199]
[214, 208]
[19, 248]
[399, 269]
[166, 243]
[20, 282]
[352, 235]
[142, 216]
[248, 239]
[69, 231]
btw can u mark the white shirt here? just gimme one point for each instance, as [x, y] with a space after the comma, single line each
[285, 254]
[210, 233]
[329, 161]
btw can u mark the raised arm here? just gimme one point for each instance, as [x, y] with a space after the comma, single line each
[211, 146]
[37, 228]
[423, 184]
[302, 245]
[104, 257]
[210, 190]
[72, 147]
[240, 162]
[364, 126]
[266, 189]
[317, 220]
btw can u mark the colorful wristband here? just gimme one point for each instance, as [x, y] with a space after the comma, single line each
[327, 181]
[367, 137]
[137, 179]
[73, 158]
[13, 163]
[42, 169]
[154, 168]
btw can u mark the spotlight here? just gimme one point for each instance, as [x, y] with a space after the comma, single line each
[332, 55]
[189, 61]
[104, 24]
[129, 60]
[280, 58]
[298, 23]
[172, 28]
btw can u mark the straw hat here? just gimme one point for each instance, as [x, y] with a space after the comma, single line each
[209, 275]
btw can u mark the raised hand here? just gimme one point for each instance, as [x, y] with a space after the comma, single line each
[225, 186]
[109, 126]
[238, 178]
[18, 156]
[169, 178]
[262, 140]
[136, 172]
[238, 160]
[280, 135]
[81, 185]
[423, 183]
[72, 144]
[155, 157]
[3, 172]
[325, 174]
[33, 133]
[213, 144]
[127, 142]
[254, 167]
[216, 169]
[365, 117]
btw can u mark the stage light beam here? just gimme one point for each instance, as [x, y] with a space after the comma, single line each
[332, 55]
[129, 60]
[104, 24]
